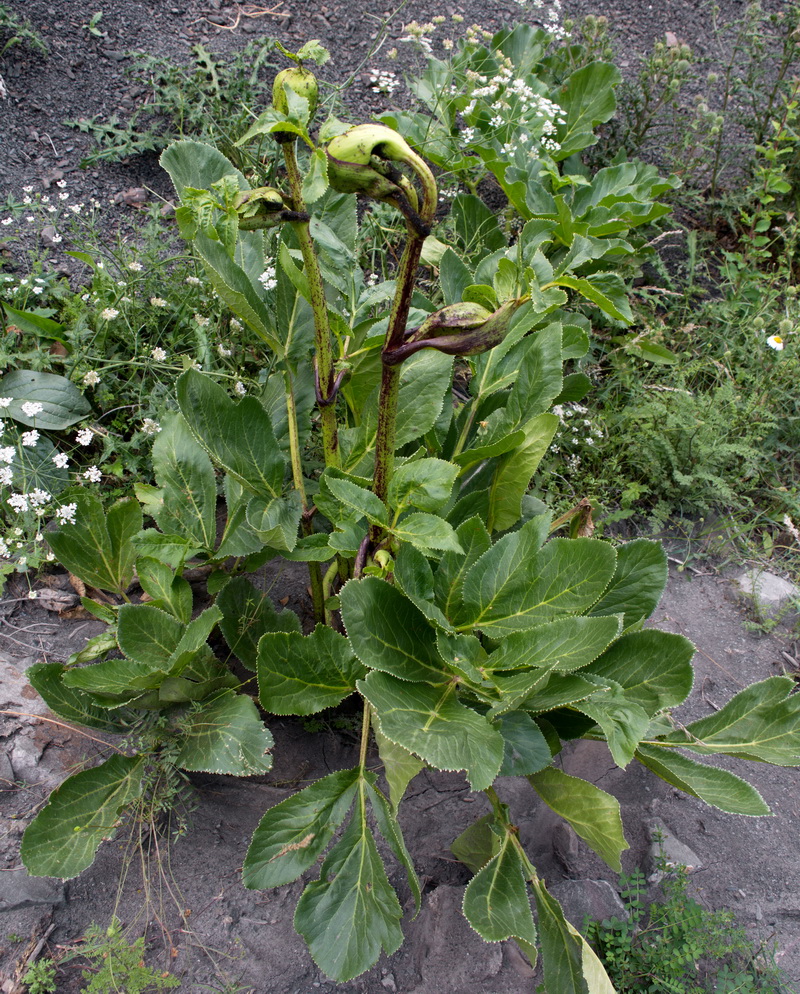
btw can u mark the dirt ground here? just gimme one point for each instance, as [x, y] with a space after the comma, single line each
[189, 899]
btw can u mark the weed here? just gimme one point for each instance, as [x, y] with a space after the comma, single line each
[17, 30]
[118, 965]
[40, 977]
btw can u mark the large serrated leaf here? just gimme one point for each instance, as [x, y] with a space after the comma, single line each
[98, 548]
[74, 704]
[760, 722]
[653, 668]
[514, 470]
[720, 788]
[292, 835]
[637, 584]
[448, 582]
[148, 635]
[496, 902]
[594, 814]
[62, 839]
[432, 722]
[304, 674]
[564, 645]
[247, 614]
[510, 589]
[399, 765]
[225, 735]
[387, 632]
[351, 914]
[623, 722]
[238, 436]
[423, 483]
[62, 402]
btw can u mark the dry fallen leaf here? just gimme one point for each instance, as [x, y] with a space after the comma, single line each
[52, 599]
[134, 196]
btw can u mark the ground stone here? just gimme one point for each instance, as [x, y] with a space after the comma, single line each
[664, 846]
[595, 898]
[18, 890]
[772, 592]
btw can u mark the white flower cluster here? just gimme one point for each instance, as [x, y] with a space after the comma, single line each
[384, 81]
[268, 278]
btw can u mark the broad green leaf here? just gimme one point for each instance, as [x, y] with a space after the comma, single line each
[623, 723]
[554, 690]
[71, 703]
[526, 749]
[358, 499]
[477, 844]
[33, 467]
[170, 592]
[588, 99]
[247, 614]
[35, 324]
[276, 520]
[172, 550]
[200, 675]
[720, 788]
[564, 645]
[193, 638]
[389, 827]
[510, 589]
[399, 765]
[427, 532]
[593, 813]
[188, 489]
[606, 290]
[496, 901]
[570, 964]
[311, 549]
[448, 582]
[760, 722]
[512, 475]
[62, 402]
[638, 582]
[237, 289]
[238, 436]
[315, 181]
[304, 674]
[148, 635]
[414, 576]
[423, 483]
[225, 735]
[653, 668]
[387, 632]
[116, 682]
[454, 277]
[539, 379]
[62, 839]
[98, 547]
[292, 835]
[351, 914]
[431, 722]
[652, 351]
[238, 538]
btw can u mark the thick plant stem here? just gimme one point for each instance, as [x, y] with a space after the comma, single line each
[322, 331]
[390, 375]
[365, 726]
[314, 569]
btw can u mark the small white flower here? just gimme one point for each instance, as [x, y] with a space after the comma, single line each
[6, 401]
[223, 352]
[109, 313]
[84, 436]
[27, 189]
[201, 321]
[61, 459]
[37, 289]
[29, 438]
[50, 557]
[267, 278]
[150, 427]
[236, 325]
[61, 184]
[196, 365]
[32, 595]
[6, 220]
[240, 388]
[63, 196]
[32, 408]
[7, 453]
[93, 475]
[19, 502]
[135, 267]
[158, 354]
[6, 475]
[66, 513]
[158, 302]
[775, 342]
[193, 281]
[91, 379]
[100, 265]
[38, 497]
[30, 218]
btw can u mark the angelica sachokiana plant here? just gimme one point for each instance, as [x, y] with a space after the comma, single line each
[476, 638]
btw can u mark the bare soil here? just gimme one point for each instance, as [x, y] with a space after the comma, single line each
[199, 921]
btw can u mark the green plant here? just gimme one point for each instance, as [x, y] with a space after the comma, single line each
[92, 25]
[40, 977]
[118, 965]
[676, 946]
[16, 30]
[397, 430]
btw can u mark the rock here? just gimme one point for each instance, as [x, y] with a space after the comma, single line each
[49, 235]
[6, 773]
[565, 847]
[592, 898]
[665, 847]
[770, 591]
[19, 890]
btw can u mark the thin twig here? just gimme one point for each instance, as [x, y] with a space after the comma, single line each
[61, 724]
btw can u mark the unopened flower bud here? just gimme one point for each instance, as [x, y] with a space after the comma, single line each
[259, 208]
[461, 329]
[301, 81]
